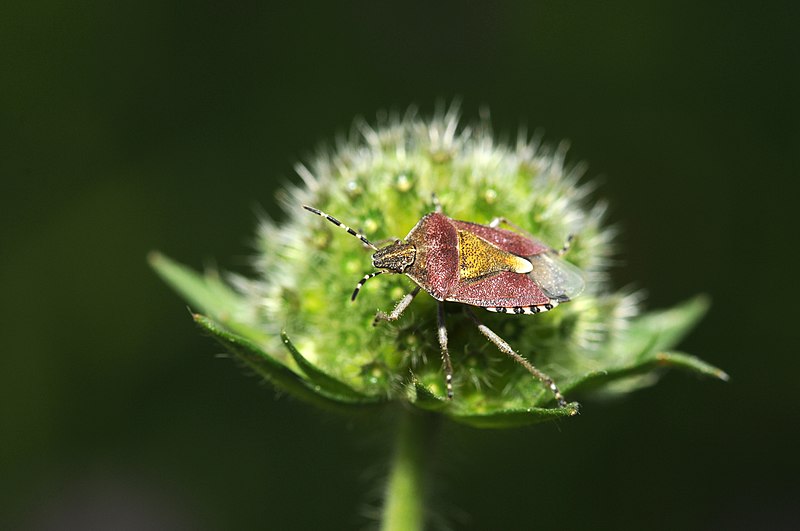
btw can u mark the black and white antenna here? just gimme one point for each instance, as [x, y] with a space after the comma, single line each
[341, 225]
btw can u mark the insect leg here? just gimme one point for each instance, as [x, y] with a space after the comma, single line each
[496, 222]
[566, 246]
[448, 367]
[506, 349]
[437, 206]
[401, 306]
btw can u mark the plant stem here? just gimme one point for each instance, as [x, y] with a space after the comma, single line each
[404, 507]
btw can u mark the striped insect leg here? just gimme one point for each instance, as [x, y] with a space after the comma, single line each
[448, 366]
[506, 349]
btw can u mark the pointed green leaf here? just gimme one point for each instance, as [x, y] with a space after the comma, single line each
[637, 356]
[272, 370]
[334, 387]
[640, 372]
[661, 330]
[207, 293]
[204, 292]
[509, 418]
[424, 398]
[690, 363]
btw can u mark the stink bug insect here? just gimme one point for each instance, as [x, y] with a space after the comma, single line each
[497, 269]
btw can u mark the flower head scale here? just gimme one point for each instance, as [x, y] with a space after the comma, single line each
[296, 317]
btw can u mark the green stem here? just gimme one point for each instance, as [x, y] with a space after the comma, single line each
[404, 508]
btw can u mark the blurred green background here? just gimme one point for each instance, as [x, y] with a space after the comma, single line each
[132, 126]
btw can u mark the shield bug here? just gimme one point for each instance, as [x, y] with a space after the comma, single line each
[501, 270]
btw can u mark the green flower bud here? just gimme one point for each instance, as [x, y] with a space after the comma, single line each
[295, 324]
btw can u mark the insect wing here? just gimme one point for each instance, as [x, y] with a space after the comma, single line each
[558, 279]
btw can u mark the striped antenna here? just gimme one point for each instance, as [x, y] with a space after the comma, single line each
[364, 281]
[342, 225]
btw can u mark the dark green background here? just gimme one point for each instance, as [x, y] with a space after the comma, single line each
[131, 126]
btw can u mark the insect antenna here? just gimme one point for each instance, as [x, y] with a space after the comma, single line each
[341, 225]
[364, 281]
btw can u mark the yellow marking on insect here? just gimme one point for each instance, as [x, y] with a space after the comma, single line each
[479, 258]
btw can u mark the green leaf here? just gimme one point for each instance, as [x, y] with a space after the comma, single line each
[690, 363]
[208, 294]
[422, 397]
[510, 418]
[335, 388]
[657, 331]
[637, 356]
[272, 370]
[636, 373]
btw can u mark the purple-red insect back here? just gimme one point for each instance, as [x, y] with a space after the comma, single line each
[498, 269]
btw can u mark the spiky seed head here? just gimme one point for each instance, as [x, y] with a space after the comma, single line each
[381, 180]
